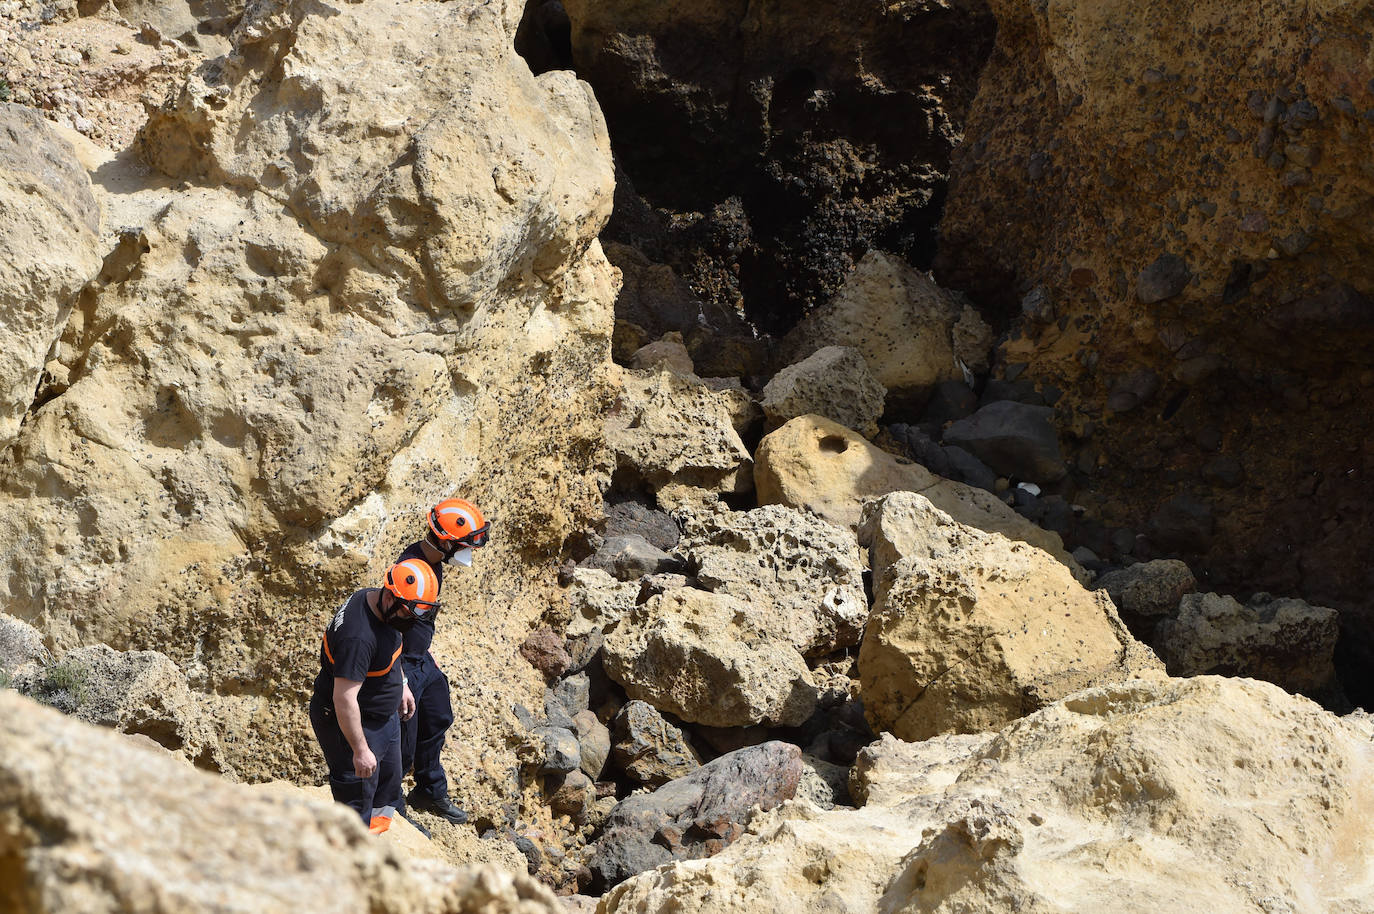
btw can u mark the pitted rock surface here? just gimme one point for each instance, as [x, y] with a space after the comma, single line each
[711, 659]
[911, 333]
[1284, 641]
[816, 465]
[805, 573]
[834, 382]
[971, 630]
[1147, 795]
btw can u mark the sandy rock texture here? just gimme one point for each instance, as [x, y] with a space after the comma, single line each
[711, 659]
[362, 276]
[1182, 188]
[912, 333]
[806, 575]
[771, 145]
[971, 630]
[833, 381]
[1284, 641]
[49, 222]
[1165, 795]
[94, 823]
[816, 465]
[675, 431]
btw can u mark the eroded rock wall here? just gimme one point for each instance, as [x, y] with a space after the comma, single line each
[363, 277]
[779, 142]
[1181, 192]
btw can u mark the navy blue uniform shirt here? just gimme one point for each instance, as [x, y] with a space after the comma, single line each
[359, 646]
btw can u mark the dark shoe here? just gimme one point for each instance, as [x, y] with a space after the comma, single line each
[416, 822]
[441, 806]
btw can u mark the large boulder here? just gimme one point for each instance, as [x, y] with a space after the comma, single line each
[805, 574]
[710, 659]
[834, 382]
[363, 276]
[93, 822]
[1284, 641]
[971, 630]
[814, 464]
[1015, 439]
[49, 228]
[670, 430]
[696, 815]
[1168, 795]
[911, 333]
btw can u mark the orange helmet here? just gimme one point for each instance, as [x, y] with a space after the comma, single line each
[414, 585]
[455, 522]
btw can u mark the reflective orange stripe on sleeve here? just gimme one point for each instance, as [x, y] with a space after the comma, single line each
[382, 672]
[389, 665]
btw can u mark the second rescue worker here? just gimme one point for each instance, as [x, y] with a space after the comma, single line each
[456, 528]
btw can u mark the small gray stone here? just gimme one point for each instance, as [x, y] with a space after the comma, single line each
[649, 749]
[574, 693]
[629, 557]
[556, 750]
[1014, 439]
[964, 467]
[1166, 277]
[594, 743]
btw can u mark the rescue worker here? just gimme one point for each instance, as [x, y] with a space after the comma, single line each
[456, 527]
[361, 688]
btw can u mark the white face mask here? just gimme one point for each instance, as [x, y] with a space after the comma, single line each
[461, 556]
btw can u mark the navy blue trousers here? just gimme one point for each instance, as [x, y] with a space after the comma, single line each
[364, 795]
[422, 737]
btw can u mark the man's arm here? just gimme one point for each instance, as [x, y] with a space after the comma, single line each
[351, 723]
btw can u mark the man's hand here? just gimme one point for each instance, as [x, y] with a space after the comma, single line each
[407, 703]
[364, 762]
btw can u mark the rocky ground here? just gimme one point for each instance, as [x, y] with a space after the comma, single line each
[795, 545]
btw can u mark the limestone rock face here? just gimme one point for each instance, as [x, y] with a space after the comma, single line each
[1162, 795]
[49, 225]
[140, 692]
[373, 282]
[912, 333]
[95, 823]
[696, 815]
[1284, 641]
[817, 465]
[21, 647]
[805, 574]
[834, 382]
[674, 430]
[971, 630]
[447, 229]
[1185, 199]
[597, 601]
[710, 659]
